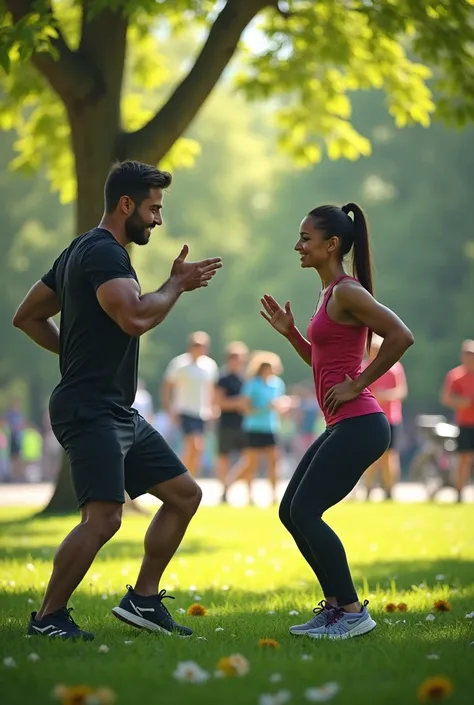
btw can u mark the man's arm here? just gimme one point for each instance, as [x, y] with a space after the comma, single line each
[226, 403]
[167, 396]
[34, 316]
[136, 314]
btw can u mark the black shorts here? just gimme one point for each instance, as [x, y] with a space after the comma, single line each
[255, 439]
[192, 425]
[109, 457]
[231, 440]
[466, 439]
[395, 431]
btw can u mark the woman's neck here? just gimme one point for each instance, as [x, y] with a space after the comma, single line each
[330, 273]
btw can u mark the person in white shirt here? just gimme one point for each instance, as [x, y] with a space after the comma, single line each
[188, 393]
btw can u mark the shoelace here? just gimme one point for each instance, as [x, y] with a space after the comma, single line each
[322, 607]
[335, 614]
[162, 596]
[67, 615]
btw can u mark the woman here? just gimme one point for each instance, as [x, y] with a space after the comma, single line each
[357, 431]
[262, 400]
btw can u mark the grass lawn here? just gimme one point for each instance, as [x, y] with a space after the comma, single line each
[243, 567]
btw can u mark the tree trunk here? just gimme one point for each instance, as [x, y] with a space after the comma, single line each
[94, 134]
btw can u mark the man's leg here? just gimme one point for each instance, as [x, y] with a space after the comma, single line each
[181, 497]
[100, 521]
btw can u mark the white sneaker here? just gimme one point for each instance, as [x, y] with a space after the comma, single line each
[345, 625]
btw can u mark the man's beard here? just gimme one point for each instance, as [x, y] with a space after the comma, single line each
[137, 230]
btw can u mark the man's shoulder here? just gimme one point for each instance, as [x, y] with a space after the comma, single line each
[208, 362]
[456, 373]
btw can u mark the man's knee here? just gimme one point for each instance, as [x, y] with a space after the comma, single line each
[183, 494]
[104, 517]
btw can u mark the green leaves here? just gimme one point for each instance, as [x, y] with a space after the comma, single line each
[32, 34]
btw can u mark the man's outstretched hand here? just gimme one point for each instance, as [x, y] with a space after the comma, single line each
[193, 275]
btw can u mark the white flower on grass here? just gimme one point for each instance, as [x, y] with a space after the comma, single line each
[9, 662]
[470, 615]
[103, 649]
[180, 610]
[240, 664]
[225, 588]
[192, 588]
[306, 657]
[433, 657]
[430, 618]
[105, 597]
[33, 658]
[219, 629]
[279, 698]
[323, 694]
[30, 601]
[124, 571]
[201, 638]
[12, 583]
[250, 559]
[190, 672]
[440, 577]
[198, 598]
[129, 641]
[388, 621]
[219, 674]
[275, 678]
[249, 573]
[271, 612]
[30, 567]
[293, 613]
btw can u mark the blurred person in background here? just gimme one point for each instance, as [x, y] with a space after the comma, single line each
[307, 413]
[15, 419]
[389, 390]
[4, 451]
[188, 396]
[230, 434]
[458, 394]
[143, 402]
[263, 399]
[32, 453]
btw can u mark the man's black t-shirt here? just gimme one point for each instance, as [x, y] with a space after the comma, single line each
[98, 361]
[231, 384]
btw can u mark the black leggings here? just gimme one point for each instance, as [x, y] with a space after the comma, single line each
[328, 471]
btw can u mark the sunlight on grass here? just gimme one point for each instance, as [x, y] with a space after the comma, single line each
[242, 566]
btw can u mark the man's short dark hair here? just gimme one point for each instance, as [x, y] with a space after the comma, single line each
[133, 179]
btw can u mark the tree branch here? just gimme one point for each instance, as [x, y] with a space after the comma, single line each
[153, 140]
[71, 76]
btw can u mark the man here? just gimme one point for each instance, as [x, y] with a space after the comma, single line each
[231, 437]
[390, 390]
[188, 391]
[458, 394]
[111, 448]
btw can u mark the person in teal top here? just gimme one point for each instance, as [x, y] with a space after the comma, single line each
[263, 400]
[263, 391]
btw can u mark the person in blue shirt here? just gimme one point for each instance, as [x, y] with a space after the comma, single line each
[263, 400]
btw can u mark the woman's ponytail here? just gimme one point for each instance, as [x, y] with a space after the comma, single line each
[361, 254]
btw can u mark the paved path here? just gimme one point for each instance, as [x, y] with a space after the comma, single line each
[38, 494]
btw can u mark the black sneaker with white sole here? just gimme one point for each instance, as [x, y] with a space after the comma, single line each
[148, 613]
[57, 625]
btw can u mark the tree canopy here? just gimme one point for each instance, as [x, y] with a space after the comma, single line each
[96, 75]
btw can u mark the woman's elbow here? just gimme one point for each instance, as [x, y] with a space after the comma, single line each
[405, 338]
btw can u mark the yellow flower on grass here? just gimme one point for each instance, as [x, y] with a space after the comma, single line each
[269, 643]
[435, 688]
[233, 665]
[390, 607]
[442, 605]
[197, 610]
[73, 695]
[402, 607]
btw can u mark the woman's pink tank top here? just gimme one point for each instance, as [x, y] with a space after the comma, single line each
[338, 350]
